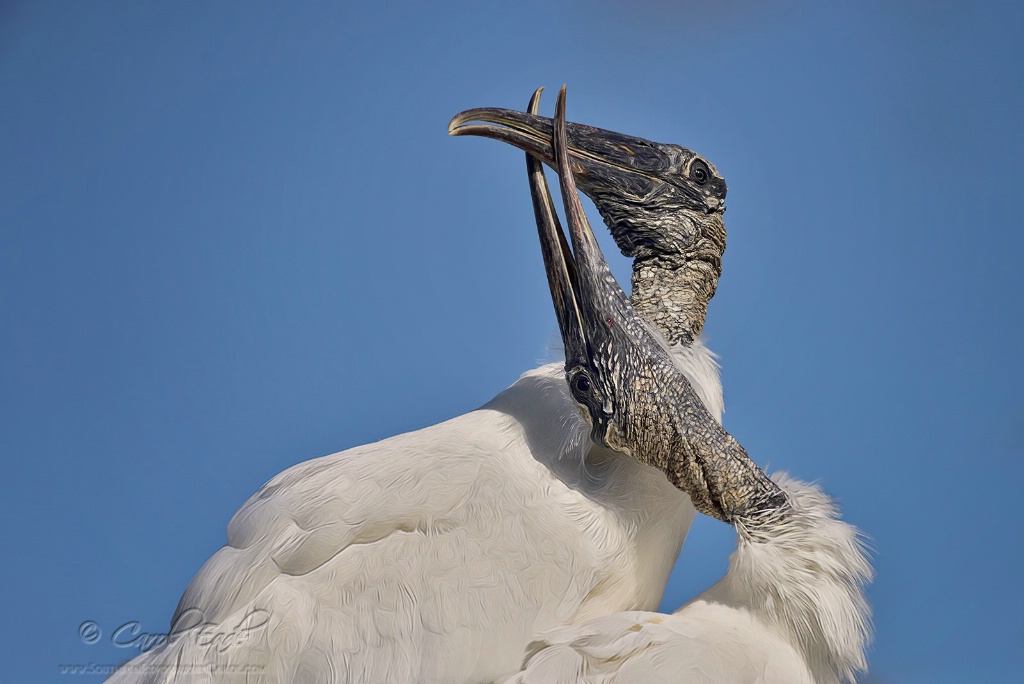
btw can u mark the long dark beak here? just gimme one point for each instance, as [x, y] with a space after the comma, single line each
[584, 291]
[587, 145]
[558, 261]
[602, 160]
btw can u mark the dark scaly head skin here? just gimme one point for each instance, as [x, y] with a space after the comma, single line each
[662, 203]
[634, 397]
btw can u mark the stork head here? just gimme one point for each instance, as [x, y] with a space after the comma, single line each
[662, 203]
[634, 183]
[635, 398]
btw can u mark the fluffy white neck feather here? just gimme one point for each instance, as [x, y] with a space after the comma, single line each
[805, 576]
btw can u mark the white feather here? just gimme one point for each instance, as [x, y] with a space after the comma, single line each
[790, 610]
[433, 556]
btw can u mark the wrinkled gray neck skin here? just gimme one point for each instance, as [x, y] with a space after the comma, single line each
[659, 420]
[677, 258]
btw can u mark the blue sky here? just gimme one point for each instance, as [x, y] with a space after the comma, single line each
[234, 238]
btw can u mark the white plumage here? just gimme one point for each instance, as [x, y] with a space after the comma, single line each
[436, 555]
[790, 610]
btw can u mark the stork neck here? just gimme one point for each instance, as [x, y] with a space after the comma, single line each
[698, 456]
[730, 486]
[673, 294]
[677, 262]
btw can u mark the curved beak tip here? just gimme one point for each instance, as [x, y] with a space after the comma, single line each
[453, 125]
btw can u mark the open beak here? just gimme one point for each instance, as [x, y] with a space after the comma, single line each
[584, 292]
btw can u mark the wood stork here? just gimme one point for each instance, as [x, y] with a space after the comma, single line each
[791, 608]
[435, 556]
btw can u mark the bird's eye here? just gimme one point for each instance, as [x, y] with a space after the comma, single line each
[699, 172]
[581, 385]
